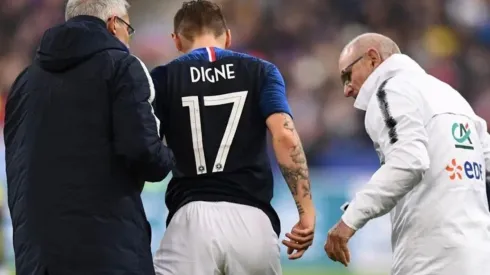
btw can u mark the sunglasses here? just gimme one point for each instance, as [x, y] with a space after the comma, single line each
[128, 26]
[346, 74]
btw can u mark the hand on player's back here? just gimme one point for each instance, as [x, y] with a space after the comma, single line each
[301, 237]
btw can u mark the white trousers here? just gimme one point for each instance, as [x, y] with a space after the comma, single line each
[218, 238]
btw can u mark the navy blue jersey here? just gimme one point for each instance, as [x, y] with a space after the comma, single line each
[213, 104]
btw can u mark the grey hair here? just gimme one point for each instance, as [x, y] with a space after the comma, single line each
[102, 9]
[385, 45]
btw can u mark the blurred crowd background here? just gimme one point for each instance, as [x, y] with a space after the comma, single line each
[449, 38]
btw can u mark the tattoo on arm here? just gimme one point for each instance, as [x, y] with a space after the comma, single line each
[301, 211]
[288, 123]
[296, 175]
[307, 190]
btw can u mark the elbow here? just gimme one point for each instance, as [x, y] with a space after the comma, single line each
[284, 138]
[410, 156]
[158, 176]
[416, 165]
[158, 163]
[418, 174]
[422, 163]
[411, 168]
[157, 173]
[165, 166]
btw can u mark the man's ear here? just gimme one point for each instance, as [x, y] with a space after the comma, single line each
[177, 42]
[111, 25]
[374, 57]
[228, 39]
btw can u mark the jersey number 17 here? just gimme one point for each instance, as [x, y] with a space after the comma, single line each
[192, 102]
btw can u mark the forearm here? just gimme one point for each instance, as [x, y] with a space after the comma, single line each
[292, 162]
[387, 186]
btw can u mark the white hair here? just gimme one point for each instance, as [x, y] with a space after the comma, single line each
[102, 9]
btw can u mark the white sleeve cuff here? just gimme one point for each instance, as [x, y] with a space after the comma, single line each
[351, 221]
[354, 218]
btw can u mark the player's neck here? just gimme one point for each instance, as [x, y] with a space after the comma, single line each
[204, 42]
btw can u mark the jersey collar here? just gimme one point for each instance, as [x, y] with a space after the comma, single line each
[209, 53]
[389, 68]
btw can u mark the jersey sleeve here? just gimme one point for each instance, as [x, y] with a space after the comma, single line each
[135, 125]
[398, 127]
[273, 92]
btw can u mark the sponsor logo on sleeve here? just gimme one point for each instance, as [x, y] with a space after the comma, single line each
[462, 135]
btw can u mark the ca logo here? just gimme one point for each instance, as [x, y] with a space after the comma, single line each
[462, 135]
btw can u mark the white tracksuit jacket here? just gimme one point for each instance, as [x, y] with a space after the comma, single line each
[434, 151]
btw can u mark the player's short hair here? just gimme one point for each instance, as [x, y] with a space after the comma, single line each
[102, 9]
[199, 17]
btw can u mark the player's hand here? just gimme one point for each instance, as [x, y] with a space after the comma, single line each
[336, 245]
[300, 237]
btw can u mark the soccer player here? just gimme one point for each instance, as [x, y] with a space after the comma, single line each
[433, 150]
[218, 105]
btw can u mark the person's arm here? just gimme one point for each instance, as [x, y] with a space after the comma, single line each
[486, 150]
[400, 132]
[485, 142]
[291, 159]
[15, 111]
[16, 91]
[136, 129]
[285, 140]
[159, 75]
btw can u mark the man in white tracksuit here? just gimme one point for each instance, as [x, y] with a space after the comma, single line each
[434, 151]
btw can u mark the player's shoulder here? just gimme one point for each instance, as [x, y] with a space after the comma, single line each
[230, 54]
[267, 68]
[267, 65]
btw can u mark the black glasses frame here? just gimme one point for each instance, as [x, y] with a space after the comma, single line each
[130, 28]
[346, 73]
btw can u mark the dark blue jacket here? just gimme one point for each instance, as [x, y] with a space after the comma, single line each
[81, 139]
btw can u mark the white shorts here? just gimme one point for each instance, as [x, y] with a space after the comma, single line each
[218, 238]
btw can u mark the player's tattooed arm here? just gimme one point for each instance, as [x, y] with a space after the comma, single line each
[292, 160]
[297, 170]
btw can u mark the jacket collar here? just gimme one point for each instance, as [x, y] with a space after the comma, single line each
[88, 18]
[389, 68]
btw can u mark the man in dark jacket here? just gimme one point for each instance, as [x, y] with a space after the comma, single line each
[81, 140]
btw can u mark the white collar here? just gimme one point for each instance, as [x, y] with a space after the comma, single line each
[389, 68]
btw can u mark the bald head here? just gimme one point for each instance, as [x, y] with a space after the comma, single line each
[361, 57]
[362, 43]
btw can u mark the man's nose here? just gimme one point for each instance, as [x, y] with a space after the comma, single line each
[348, 90]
